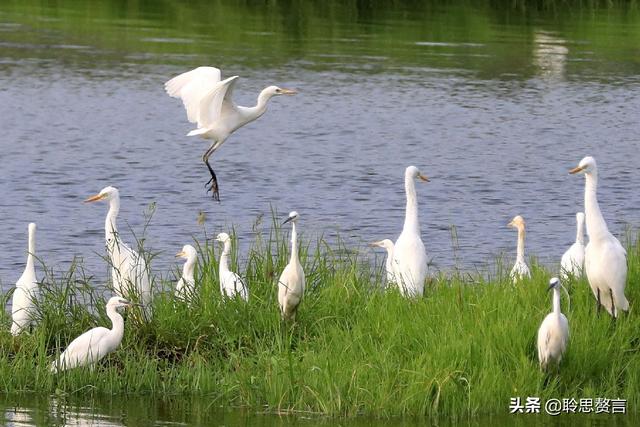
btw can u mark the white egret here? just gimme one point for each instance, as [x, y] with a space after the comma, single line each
[409, 254]
[185, 288]
[389, 266]
[605, 260]
[520, 269]
[208, 102]
[230, 283]
[96, 343]
[291, 282]
[128, 269]
[553, 334]
[23, 306]
[572, 260]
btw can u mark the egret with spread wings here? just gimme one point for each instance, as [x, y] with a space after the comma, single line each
[208, 101]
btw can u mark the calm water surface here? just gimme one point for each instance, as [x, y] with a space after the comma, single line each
[494, 104]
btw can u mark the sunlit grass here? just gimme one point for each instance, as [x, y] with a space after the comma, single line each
[465, 348]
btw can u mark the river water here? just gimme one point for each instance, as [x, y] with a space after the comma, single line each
[494, 103]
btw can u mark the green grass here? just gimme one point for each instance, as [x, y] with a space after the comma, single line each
[463, 349]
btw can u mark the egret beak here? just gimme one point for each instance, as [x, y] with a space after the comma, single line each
[181, 254]
[511, 224]
[576, 170]
[374, 244]
[550, 287]
[95, 198]
[288, 91]
[287, 220]
[423, 177]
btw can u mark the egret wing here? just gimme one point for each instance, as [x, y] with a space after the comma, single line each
[191, 87]
[212, 104]
[83, 350]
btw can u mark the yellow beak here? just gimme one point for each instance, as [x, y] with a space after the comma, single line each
[288, 91]
[423, 177]
[575, 170]
[181, 254]
[94, 198]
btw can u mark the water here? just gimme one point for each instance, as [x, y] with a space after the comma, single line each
[494, 104]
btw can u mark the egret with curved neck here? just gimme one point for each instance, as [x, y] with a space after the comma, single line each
[128, 269]
[23, 306]
[292, 281]
[520, 269]
[572, 260]
[208, 102]
[389, 265]
[231, 284]
[553, 334]
[409, 254]
[96, 343]
[605, 260]
[185, 288]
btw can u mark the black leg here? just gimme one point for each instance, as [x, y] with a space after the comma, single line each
[212, 184]
[613, 306]
[598, 302]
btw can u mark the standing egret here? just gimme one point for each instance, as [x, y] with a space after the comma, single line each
[291, 282]
[208, 102]
[185, 288]
[96, 343]
[553, 334]
[572, 260]
[230, 283]
[389, 266]
[520, 269]
[605, 260]
[129, 269]
[23, 306]
[409, 254]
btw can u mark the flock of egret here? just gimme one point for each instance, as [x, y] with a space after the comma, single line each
[208, 102]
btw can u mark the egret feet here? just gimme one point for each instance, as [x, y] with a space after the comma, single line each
[212, 184]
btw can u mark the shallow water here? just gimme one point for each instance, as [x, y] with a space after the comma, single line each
[494, 105]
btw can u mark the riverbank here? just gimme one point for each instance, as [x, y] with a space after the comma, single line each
[464, 349]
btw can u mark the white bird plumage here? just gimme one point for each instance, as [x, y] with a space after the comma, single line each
[128, 269]
[230, 283]
[208, 102]
[409, 254]
[605, 260]
[390, 268]
[572, 261]
[553, 334]
[292, 281]
[185, 288]
[520, 269]
[96, 343]
[23, 306]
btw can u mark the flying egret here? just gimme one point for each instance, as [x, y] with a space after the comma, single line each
[520, 269]
[23, 306]
[185, 288]
[208, 102]
[605, 260]
[553, 334]
[291, 282]
[389, 266]
[129, 270]
[96, 343]
[409, 254]
[230, 283]
[573, 259]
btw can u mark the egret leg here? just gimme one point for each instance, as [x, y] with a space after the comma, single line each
[613, 306]
[214, 180]
[598, 302]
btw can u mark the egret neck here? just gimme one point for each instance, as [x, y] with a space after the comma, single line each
[117, 330]
[110, 228]
[580, 231]
[32, 248]
[520, 248]
[294, 244]
[596, 227]
[556, 301]
[224, 258]
[411, 223]
[253, 113]
[187, 269]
